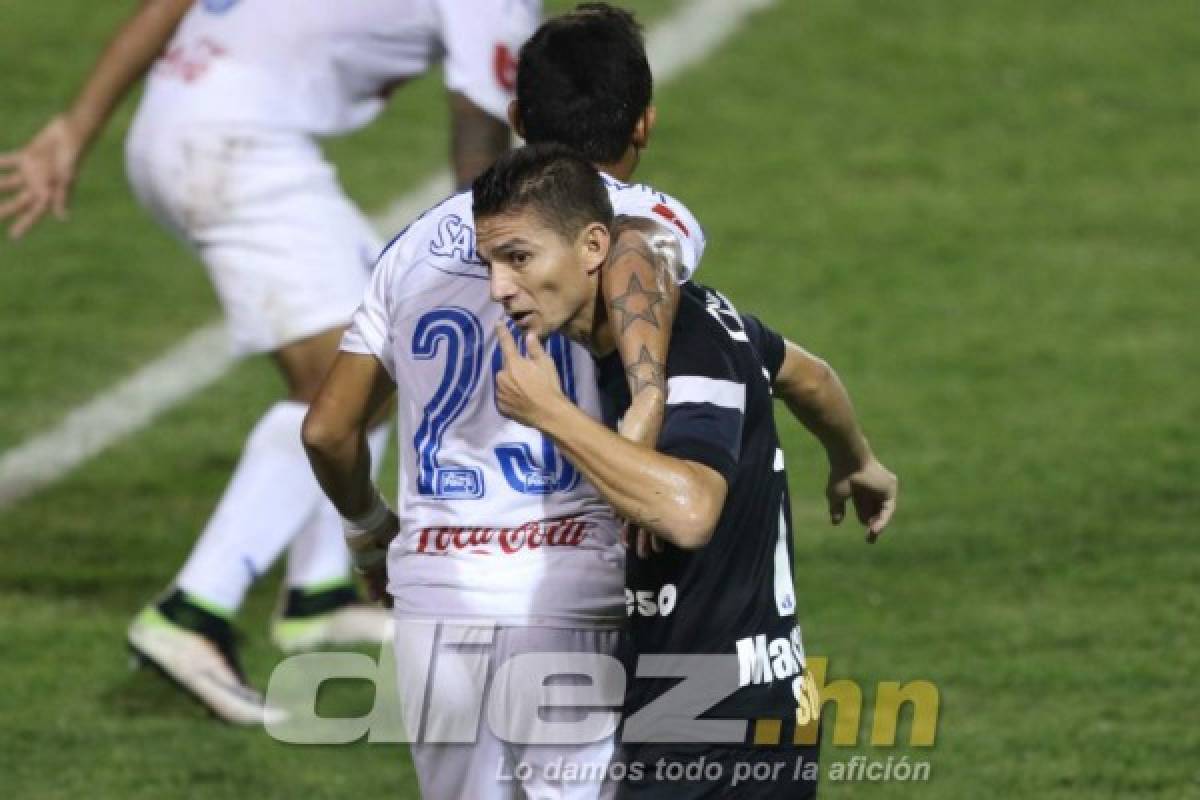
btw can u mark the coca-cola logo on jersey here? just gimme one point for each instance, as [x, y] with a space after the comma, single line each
[566, 532]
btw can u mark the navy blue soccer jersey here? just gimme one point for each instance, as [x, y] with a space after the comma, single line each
[735, 596]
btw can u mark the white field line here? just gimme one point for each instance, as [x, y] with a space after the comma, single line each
[681, 40]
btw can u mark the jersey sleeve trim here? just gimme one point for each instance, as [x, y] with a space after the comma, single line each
[768, 344]
[705, 432]
[697, 389]
[362, 338]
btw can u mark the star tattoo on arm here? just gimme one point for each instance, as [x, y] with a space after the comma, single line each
[646, 262]
[646, 373]
[640, 285]
[637, 303]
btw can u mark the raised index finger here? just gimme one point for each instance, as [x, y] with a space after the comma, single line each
[507, 345]
[533, 346]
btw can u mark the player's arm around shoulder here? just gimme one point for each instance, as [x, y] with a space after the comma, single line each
[674, 498]
[817, 398]
[657, 243]
[641, 295]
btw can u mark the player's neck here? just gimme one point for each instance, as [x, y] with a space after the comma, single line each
[589, 327]
[623, 168]
[598, 337]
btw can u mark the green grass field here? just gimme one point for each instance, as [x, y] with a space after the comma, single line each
[984, 214]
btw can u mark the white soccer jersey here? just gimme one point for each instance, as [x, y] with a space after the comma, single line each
[325, 67]
[495, 522]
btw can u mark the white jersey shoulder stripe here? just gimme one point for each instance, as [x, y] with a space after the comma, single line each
[696, 389]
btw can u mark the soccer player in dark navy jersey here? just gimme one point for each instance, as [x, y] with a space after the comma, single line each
[715, 491]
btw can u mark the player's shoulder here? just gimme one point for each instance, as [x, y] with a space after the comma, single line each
[441, 240]
[640, 199]
[511, 13]
[707, 335]
[709, 312]
[643, 200]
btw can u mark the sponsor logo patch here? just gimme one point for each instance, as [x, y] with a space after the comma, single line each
[566, 532]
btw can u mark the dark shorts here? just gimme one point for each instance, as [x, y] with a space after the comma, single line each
[690, 772]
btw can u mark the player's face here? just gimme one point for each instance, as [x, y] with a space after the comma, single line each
[544, 280]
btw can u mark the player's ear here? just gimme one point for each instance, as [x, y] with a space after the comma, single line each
[514, 118]
[644, 126]
[594, 242]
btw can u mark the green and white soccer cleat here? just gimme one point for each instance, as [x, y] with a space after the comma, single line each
[352, 624]
[202, 666]
[331, 615]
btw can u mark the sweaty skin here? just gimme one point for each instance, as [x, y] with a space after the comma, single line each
[641, 292]
[640, 285]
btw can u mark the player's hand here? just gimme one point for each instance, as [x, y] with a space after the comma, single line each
[37, 179]
[368, 551]
[375, 580]
[527, 386]
[871, 487]
[643, 542]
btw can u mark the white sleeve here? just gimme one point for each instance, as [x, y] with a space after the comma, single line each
[671, 215]
[481, 39]
[370, 327]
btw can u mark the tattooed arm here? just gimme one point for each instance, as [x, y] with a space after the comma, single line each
[641, 295]
[476, 139]
[667, 496]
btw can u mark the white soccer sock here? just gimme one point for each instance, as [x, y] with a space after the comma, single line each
[318, 557]
[270, 499]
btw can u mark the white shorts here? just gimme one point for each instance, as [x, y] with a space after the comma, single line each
[288, 253]
[461, 707]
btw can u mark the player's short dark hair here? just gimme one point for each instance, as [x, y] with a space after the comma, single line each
[561, 186]
[583, 80]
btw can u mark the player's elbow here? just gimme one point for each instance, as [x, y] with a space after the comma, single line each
[321, 433]
[693, 530]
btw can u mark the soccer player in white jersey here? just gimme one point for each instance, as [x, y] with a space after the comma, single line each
[497, 541]
[223, 152]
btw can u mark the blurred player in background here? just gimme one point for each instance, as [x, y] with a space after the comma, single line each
[493, 524]
[223, 153]
[716, 490]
